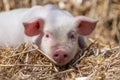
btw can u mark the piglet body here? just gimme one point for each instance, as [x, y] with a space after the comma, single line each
[11, 31]
[54, 31]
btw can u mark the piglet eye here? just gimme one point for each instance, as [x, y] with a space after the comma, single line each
[71, 35]
[47, 35]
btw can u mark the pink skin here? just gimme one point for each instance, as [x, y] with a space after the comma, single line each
[58, 52]
[61, 53]
[58, 36]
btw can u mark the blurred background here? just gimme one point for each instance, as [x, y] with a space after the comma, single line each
[107, 12]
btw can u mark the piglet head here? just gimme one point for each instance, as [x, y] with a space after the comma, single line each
[60, 42]
[61, 39]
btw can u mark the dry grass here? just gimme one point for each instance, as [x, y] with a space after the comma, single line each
[27, 62]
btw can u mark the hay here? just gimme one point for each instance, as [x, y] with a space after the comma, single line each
[27, 62]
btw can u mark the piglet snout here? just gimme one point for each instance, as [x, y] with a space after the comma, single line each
[61, 56]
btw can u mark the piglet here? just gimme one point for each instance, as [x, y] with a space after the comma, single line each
[56, 32]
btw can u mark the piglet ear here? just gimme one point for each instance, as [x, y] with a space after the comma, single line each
[85, 25]
[33, 28]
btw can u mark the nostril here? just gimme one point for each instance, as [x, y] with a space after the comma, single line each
[65, 55]
[56, 55]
